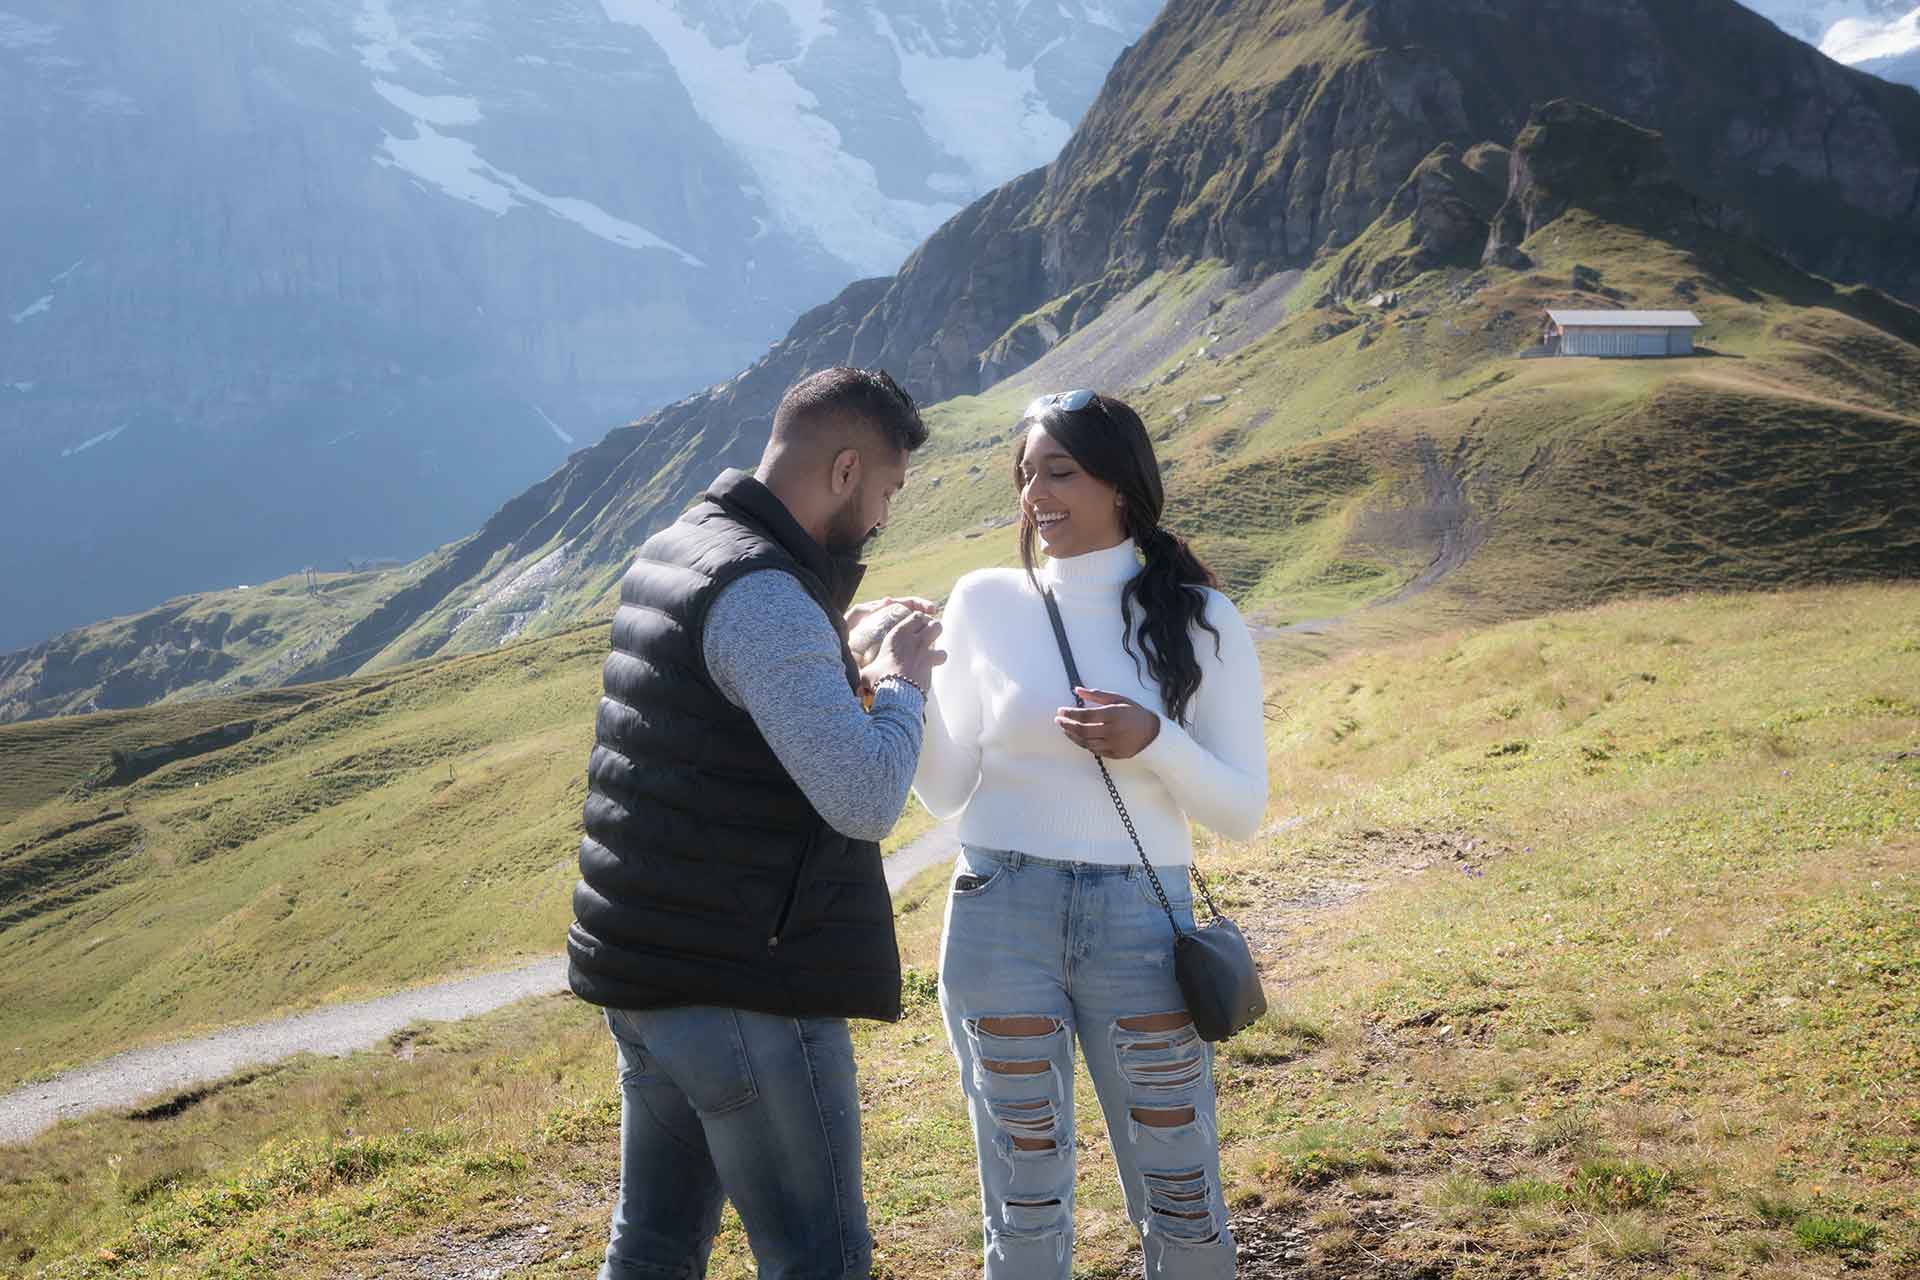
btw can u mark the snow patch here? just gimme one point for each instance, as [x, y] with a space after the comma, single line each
[444, 110]
[980, 110]
[551, 424]
[23, 387]
[383, 44]
[451, 164]
[1858, 40]
[37, 307]
[586, 214]
[102, 438]
[817, 189]
[308, 38]
[69, 271]
[456, 167]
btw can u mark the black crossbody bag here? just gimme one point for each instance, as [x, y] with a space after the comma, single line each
[1212, 964]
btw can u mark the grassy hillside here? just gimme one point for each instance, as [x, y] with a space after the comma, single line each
[1356, 472]
[199, 646]
[1592, 942]
[1357, 454]
[378, 833]
[1358, 467]
[333, 841]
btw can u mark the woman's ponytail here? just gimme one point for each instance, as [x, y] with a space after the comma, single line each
[1170, 592]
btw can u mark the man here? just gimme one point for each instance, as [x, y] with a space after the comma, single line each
[732, 912]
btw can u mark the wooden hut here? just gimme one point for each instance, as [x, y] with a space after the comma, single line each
[1620, 334]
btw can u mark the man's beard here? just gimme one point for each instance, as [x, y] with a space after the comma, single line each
[847, 533]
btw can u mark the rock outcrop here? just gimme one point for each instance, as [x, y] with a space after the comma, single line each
[1439, 218]
[1572, 155]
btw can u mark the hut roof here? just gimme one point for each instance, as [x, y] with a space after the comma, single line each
[1627, 319]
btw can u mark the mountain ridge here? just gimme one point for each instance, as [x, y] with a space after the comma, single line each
[1024, 269]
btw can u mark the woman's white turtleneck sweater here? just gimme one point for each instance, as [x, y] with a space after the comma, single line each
[993, 754]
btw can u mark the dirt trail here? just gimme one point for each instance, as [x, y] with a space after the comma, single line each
[1445, 520]
[168, 1069]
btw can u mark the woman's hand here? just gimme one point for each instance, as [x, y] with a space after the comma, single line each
[1109, 725]
[859, 612]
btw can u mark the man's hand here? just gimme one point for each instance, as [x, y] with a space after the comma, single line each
[908, 650]
[1109, 725]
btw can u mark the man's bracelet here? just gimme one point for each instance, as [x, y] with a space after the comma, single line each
[909, 681]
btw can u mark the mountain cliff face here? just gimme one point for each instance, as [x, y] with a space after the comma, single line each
[1267, 134]
[1270, 136]
[325, 280]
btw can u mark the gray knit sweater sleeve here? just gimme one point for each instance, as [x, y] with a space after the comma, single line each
[774, 653]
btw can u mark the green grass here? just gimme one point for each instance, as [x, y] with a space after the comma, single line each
[1661, 1018]
[1829, 1234]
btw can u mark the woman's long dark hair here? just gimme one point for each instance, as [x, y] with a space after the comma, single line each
[1110, 443]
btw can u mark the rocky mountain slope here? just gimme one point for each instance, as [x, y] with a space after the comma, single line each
[326, 280]
[1226, 154]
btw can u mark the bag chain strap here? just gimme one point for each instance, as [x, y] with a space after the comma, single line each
[1120, 806]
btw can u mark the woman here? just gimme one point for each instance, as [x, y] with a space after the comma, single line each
[1053, 928]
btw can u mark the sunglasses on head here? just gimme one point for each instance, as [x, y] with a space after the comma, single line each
[1068, 401]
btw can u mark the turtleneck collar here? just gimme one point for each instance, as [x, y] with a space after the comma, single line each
[1096, 570]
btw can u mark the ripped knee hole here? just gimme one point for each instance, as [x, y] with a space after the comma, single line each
[1181, 1198]
[1163, 1117]
[1172, 1021]
[1018, 1027]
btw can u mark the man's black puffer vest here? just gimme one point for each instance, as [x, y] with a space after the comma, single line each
[706, 876]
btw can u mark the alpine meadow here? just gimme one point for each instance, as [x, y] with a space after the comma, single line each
[1588, 898]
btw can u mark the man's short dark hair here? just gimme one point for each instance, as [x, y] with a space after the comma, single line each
[868, 395]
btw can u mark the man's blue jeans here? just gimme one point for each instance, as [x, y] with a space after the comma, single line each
[721, 1104]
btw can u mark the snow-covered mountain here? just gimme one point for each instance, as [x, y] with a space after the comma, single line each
[325, 279]
[1881, 36]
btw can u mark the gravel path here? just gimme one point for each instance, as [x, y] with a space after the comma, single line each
[128, 1078]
